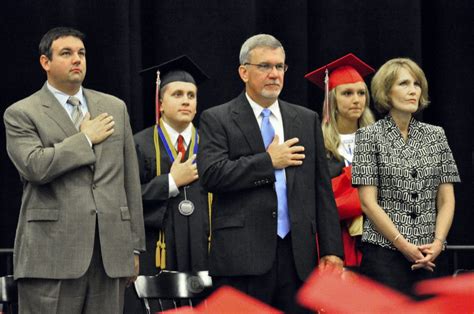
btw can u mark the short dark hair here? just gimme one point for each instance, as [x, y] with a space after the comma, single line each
[53, 34]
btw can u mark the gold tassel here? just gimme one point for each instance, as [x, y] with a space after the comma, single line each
[160, 255]
[163, 252]
[209, 205]
[158, 251]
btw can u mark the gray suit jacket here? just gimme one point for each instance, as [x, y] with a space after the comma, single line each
[234, 165]
[68, 186]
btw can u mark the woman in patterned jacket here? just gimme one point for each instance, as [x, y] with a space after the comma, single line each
[404, 171]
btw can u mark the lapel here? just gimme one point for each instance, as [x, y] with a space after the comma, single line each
[292, 128]
[53, 109]
[245, 120]
[416, 134]
[95, 108]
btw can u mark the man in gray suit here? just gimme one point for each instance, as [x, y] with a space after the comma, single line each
[81, 218]
[264, 160]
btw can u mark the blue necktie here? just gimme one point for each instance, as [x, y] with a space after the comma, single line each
[268, 133]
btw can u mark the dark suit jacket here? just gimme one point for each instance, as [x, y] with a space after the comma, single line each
[234, 165]
[68, 186]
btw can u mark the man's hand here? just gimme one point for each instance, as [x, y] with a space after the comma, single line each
[99, 128]
[286, 154]
[331, 264]
[131, 280]
[184, 173]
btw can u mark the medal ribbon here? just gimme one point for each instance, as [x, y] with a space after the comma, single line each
[169, 147]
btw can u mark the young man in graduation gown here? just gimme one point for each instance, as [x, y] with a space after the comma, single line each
[175, 205]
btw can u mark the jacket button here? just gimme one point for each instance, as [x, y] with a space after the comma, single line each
[274, 214]
[414, 195]
[93, 211]
[414, 173]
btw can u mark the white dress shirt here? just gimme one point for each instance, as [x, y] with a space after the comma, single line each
[173, 135]
[275, 118]
[63, 98]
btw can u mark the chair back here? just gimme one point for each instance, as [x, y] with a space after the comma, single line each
[8, 294]
[174, 286]
[458, 272]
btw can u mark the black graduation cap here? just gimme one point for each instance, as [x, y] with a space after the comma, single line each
[180, 69]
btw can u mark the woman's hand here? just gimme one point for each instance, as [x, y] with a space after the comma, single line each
[430, 251]
[420, 258]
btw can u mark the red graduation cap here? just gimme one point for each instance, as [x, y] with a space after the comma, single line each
[453, 295]
[231, 301]
[441, 304]
[358, 294]
[460, 285]
[345, 70]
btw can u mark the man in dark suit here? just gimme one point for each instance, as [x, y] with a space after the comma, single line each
[263, 159]
[81, 216]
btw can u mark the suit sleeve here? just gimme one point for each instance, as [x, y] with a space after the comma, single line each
[329, 230]
[35, 162]
[217, 171]
[132, 187]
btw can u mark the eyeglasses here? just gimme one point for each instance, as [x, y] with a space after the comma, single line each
[267, 67]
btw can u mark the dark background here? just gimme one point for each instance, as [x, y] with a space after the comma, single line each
[124, 36]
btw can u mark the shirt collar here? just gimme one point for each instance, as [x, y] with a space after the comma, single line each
[173, 134]
[257, 109]
[63, 97]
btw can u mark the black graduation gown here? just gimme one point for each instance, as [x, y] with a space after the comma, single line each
[335, 167]
[186, 236]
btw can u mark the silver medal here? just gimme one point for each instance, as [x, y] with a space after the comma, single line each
[186, 207]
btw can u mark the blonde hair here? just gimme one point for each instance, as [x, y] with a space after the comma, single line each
[331, 134]
[386, 76]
